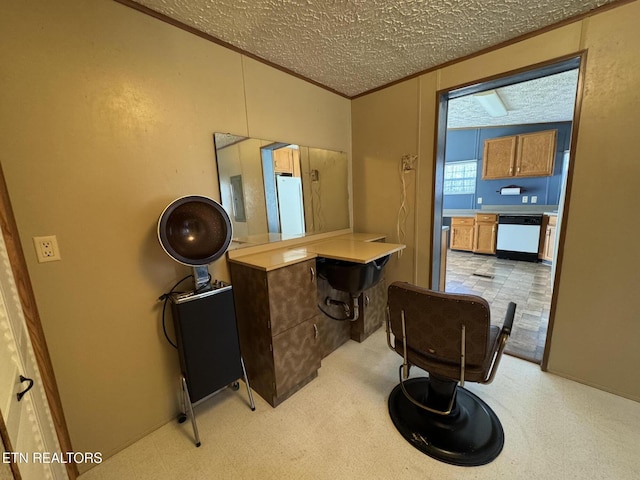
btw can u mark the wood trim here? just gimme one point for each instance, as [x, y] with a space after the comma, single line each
[487, 127]
[561, 228]
[222, 43]
[6, 443]
[513, 75]
[437, 186]
[442, 98]
[32, 317]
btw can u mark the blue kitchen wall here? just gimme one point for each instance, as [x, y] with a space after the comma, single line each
[468, 144]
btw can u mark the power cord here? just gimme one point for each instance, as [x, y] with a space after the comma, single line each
[165, 298]
[406, 165]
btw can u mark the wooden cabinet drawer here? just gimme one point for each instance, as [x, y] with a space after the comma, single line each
[462, 221]
[486, 218]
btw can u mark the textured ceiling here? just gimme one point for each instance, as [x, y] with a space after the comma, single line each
[353, 46]
[546, 99]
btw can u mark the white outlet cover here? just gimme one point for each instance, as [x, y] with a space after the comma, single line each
[525, 199]
[46, 248]
[479, 200]
[534, 199]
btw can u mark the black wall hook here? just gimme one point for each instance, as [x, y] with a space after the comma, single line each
[29, 387]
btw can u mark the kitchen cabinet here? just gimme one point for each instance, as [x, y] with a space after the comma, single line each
[287, 160]
[499, 157]
[526, 155]
[549, 238]
[484, 233]
[276, 312]
[462, 233]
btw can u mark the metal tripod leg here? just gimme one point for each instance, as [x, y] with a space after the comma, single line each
[186, 402]
[246, 381]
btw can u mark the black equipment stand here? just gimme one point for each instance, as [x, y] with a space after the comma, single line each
[208, 347]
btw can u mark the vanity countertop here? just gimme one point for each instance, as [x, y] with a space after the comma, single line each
[363, 237]
[351, 247]
[354, 250]
[273, 259]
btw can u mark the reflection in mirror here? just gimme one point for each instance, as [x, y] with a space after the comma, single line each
[275, 191]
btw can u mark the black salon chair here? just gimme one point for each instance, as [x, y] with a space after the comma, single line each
[449, 336]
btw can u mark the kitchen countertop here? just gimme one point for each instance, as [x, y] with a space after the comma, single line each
[501, 209]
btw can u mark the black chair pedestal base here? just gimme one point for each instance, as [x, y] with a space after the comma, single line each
[470, 435]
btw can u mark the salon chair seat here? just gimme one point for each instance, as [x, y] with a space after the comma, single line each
[449, 336]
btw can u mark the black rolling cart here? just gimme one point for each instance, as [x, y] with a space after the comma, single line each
[208, 347]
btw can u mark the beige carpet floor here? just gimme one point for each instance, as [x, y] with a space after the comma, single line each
[338, 427]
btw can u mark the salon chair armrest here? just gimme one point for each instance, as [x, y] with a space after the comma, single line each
[508, 318]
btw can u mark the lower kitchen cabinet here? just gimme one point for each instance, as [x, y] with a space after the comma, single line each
[485, 233]
[474, 234]
[276, 313]
[462, 233]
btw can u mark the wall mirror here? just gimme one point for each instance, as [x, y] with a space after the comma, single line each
[276, 190]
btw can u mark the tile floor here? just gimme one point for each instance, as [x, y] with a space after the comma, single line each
[527, 284]
[338, 427]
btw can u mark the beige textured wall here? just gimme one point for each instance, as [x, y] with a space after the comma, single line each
[107, 116]
[597, 323]
[597, 334]
[385, 127]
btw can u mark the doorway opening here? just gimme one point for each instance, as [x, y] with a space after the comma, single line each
[281, 172]
[503, 160]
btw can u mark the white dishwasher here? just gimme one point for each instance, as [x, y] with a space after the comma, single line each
[518, 237]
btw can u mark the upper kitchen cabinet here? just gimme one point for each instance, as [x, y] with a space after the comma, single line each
[499, 157]
[525, 155]
[286, 160]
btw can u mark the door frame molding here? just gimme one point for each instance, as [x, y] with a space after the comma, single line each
[530, 72]
[7, 447]
[32, 318]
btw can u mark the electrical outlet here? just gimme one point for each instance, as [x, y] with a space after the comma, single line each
[534, 199]
[525, 199]
[409, 162]
[46, 248]
[479, 200]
